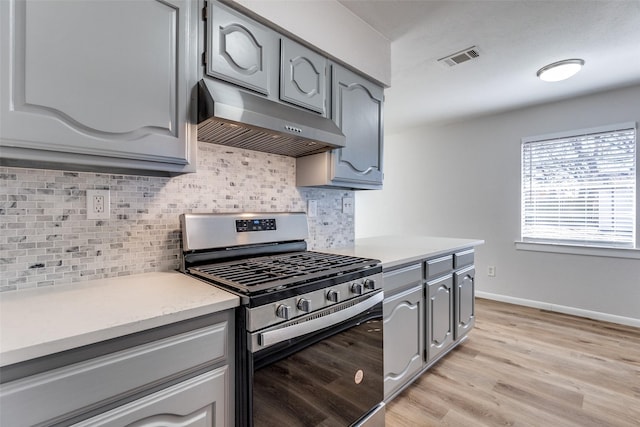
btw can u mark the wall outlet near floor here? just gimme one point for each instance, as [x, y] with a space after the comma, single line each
[312, 208]
[491, 271]
[348, 205]
[98, 204]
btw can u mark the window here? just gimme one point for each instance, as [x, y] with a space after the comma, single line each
[579, 188]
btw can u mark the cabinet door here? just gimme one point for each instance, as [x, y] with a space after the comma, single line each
[357, 109]
[303, 76]
[241, 51]
[197, 402]
[440, 326]
[403, 338]
[465, 301]
[99, 82]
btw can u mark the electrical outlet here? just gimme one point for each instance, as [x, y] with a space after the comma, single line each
[98, 204]
[348, 205]
[491, 271]
[312, 208]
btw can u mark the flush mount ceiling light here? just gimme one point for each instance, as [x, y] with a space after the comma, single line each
[560, 70]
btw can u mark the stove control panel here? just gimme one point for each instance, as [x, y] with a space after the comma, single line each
[265, 224]
[308, 302]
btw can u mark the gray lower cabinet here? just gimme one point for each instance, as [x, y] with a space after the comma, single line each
[357, 108]
[98, 85]
[403, 337]
[465, 301]
[196, 402]
[440, 327]
[428, 309]
[176, 376]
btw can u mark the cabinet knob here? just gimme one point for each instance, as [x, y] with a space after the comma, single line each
[333, 296]
[283, 311]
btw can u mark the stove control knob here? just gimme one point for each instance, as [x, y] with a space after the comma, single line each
[357, 288]
[304, 305]
[333, 296]
[370, 284]
[283, 311]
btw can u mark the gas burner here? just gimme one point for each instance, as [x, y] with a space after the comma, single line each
[266, 273]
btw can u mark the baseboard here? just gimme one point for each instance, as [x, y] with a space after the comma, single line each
[629, 321]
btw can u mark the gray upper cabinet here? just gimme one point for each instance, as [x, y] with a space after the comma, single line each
[303, 77]
[98, 84]
[252, 56]
[241, 51]
[357, 109]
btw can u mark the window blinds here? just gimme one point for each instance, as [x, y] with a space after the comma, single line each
[580, 189]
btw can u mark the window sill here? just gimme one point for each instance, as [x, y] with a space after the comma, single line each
[579, 250]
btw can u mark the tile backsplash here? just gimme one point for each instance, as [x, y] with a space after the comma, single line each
[45, 238]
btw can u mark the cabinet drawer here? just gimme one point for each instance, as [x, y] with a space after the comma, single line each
[461, 259]
[439, 266]
[187, 403]
[56, 393]
[398, 279]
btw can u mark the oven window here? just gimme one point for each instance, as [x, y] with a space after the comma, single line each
[333, 382]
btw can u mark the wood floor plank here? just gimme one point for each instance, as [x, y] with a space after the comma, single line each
[527, 367]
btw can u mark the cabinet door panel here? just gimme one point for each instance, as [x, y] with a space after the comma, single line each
[118, 86]
[303, 76]
[440, 316]
[145, 94]
[197, 402]
[357, 110]
[240, 50]
[403, 338]
[465, 303]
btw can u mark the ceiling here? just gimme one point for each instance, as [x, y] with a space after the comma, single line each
[514, 39]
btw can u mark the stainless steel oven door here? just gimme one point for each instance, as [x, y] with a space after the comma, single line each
[323, 369]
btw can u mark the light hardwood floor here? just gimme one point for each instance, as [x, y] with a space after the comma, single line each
[528, 367]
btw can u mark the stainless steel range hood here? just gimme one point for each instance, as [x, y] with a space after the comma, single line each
[236, 118]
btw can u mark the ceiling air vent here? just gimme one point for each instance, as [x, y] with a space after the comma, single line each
[460, 57]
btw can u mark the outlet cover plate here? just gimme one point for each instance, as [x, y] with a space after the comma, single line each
[348, 205]
[98, 204]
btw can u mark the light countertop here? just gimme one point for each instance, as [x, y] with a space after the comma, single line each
[397, 250]
[42, 321]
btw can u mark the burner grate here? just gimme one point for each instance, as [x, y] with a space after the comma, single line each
[277, 271]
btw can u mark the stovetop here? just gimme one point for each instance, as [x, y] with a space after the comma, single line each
[261, 274]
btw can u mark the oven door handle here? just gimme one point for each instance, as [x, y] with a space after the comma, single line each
[267, 338]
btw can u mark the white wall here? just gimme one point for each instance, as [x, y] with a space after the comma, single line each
[463, 180]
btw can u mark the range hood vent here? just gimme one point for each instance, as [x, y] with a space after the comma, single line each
[460, 57]
[232, 117]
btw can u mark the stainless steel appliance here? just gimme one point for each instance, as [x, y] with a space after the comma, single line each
[309, 328]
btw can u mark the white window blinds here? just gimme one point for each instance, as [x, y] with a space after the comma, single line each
[580, 189]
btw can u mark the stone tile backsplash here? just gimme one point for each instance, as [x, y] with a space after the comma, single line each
[45, 238]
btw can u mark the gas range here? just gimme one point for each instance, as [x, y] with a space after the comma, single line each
[301, 312]
[262, 257]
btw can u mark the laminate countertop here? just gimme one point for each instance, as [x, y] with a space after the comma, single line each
[42, 321]
[397, 250]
